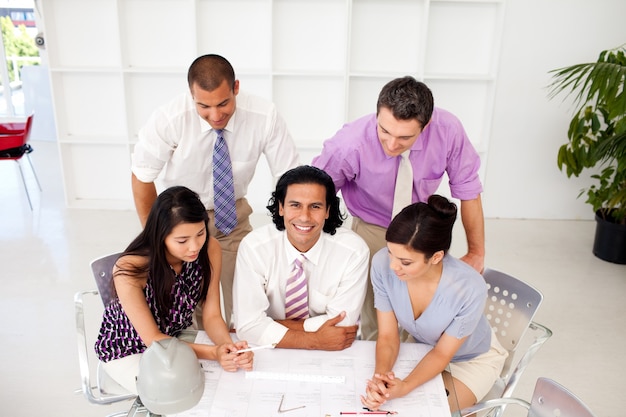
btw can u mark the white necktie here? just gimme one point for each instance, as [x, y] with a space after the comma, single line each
[404, 185]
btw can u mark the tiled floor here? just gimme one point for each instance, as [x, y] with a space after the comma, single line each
[44, 257]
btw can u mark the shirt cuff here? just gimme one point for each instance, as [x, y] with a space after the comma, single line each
[312, 324]
[274, 333]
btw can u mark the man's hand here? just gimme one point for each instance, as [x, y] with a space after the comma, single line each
[475, 261]
[328, 337]
[332, 337]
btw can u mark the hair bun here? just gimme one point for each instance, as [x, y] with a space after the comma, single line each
[443, 206]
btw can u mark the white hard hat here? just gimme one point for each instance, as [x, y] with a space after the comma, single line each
[170, 378]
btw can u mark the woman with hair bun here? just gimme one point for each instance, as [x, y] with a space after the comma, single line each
[439, 300]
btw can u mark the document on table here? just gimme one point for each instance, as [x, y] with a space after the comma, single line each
[278, 388]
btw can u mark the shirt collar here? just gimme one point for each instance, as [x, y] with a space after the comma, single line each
[312, 255]
[206, 127]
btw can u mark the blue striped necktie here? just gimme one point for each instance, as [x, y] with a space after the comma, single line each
[223, 187]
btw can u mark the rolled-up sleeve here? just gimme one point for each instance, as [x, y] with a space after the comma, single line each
[154, 148]
[463, 163]
[280, 150]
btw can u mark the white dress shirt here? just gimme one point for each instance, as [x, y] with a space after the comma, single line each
[336, 269]
[177, 141]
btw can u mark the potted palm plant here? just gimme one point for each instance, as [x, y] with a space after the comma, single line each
[597, 141]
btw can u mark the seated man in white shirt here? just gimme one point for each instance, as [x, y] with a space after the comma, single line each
[306, 221]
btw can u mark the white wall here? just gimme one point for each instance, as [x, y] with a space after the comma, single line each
[522, 178]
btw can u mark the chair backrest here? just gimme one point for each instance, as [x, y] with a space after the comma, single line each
[552, 399]
[511, 306]
[96, 385]
[28, 127]
[102, 269]
[14, 135]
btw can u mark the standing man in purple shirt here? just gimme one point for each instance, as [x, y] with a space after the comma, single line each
[364, 158]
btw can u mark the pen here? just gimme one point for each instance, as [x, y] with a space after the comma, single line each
[359, 413]
[252, 349]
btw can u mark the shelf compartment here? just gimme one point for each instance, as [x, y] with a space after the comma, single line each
[96, 176]
[463, 38]
[147, 92]
[89, 104]
[165, 36]
[471, 102]
[386, 36]
[312, 106]
[250, 52]
[78, 40]
[309, 36]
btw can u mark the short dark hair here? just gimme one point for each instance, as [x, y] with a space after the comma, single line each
[424, 227]
[407, 99]
[209, 71]
[306, 174]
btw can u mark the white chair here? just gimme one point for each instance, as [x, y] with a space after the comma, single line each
[510, 309]
[549, 399]
[96, 385]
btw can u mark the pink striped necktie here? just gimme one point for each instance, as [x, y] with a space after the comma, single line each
[296, 296]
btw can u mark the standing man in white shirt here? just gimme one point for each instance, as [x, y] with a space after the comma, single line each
[306, 226]
[177, 145]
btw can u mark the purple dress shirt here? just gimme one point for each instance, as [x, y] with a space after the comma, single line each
[366, 176]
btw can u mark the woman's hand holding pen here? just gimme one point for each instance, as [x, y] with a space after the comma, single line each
[243, 359]
[230, 360]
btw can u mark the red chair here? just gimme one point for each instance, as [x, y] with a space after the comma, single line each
[14, 145]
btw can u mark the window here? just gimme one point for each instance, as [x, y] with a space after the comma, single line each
[19, 50]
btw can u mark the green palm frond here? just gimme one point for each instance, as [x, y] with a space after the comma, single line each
[600, 83]
[613, 149]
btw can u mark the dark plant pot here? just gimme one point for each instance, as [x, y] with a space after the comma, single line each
[610, 241]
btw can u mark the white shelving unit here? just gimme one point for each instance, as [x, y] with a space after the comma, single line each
[323, 62]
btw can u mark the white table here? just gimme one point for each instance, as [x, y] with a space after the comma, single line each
[312, 383]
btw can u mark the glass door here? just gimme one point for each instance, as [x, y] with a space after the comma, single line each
[17, 21]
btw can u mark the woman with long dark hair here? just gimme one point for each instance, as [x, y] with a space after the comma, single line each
[169, 269]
